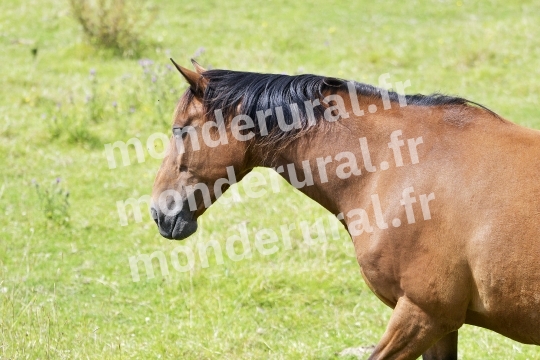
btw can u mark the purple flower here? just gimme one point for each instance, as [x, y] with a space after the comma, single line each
[132, 109]
[199, 52]
[92, 72]
[114, 104]
[154, 78]
[169, 67]
[58, 180]
[145, 63]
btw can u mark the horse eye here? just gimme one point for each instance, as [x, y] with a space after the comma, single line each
[177, 131]
[183, 168]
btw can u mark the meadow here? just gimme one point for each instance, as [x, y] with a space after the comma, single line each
[66, 287]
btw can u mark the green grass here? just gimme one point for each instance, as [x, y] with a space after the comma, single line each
[66, 290]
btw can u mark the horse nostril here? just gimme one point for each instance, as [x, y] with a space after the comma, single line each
[154, 214]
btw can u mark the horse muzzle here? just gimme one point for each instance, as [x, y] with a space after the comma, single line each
[176, 225]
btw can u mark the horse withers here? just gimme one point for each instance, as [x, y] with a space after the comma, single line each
[439, 194]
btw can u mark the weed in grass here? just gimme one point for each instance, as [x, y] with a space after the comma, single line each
[114, 24]
[93, 102]
[53, 200]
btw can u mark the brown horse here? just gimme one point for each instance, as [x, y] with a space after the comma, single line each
[439, 194]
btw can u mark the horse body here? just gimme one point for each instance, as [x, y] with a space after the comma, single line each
[443, 212]
[476, 260]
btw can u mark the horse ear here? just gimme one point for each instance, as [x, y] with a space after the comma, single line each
[197, 66]
[195, 80]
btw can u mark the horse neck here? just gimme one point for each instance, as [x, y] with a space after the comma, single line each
[343, 136]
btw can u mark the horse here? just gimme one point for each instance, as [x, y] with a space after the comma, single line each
[443, 210]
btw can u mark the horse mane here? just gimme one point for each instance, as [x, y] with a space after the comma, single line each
[236, 92]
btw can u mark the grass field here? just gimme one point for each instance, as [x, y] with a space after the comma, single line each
[66, 289]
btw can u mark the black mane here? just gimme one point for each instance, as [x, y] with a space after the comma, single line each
[236, 92]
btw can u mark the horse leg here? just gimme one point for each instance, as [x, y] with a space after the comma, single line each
[444, 349]
[411, 332]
